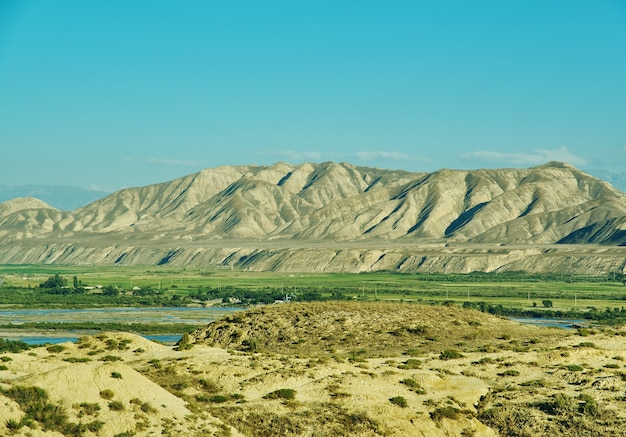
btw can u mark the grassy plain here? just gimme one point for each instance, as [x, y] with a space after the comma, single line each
[507, 289]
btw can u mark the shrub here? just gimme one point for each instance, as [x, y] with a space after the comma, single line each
[146, 407]
[448, 412]
[55, 348]
[111, 358]
[116, 406]
[3, 367]
[414, 385]
[95, 426]
[282, 393]
[88, 409]
[449, 354]
[13, 425]
[107, 394]
[208, 385]
[588, 406]
[587, 344]
[116, 375]
[559, 404]
[77, 359]
[184, 343]
[13, 346]
[411, 363]
[4, 358]
[574, 368]
[399, 401]
[509, 372]
[218, 399]
[534, 383]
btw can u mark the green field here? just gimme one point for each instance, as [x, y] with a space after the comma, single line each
[163, 286]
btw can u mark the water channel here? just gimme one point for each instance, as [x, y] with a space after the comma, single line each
[193, 316]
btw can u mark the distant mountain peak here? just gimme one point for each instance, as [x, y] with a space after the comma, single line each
[59, 196]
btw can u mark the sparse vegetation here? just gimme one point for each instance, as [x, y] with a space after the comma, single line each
[399, 401]
[107, 394]
[449, 354]
[282, 393]
[55, 348]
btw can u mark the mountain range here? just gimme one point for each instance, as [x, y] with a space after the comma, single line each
[60, 196]
[336, 217]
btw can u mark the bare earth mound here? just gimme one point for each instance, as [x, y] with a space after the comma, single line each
[369, 329]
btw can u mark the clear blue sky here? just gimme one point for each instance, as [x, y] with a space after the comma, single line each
[110, 94]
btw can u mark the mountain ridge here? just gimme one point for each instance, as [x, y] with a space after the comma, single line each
[62, 197]
[236, 210]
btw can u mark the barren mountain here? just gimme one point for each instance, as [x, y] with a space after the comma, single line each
[335, 216]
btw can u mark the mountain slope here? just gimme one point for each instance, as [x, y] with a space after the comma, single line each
[253, 212]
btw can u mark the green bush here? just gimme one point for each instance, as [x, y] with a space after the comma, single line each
[116, 406]
[77, 359]
[414, 385]
[55, 348]
[448, 412]
[107, 394]
[509, 372]
[208, 385]
[95, 426]
[111, 358]
[399, 401]
[13, 346]
[574, 368]
[449, 354]
[90, 409]
[146, 407]
[282, 393]
[411, 363]
[13, 425]
[116, 375]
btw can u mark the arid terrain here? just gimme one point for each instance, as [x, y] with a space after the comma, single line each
[336, 368]
[336, 217]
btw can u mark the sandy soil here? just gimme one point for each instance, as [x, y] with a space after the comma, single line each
[158, 390]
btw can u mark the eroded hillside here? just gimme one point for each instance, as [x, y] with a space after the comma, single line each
[334, 217]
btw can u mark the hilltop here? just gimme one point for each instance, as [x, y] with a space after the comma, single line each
[337, 217]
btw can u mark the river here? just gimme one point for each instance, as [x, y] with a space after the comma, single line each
[193, 316]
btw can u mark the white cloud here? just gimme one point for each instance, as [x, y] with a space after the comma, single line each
[162, 161]
[294, 155]
[379, 154]
[188, 163]
[375, 155]
[538, 156]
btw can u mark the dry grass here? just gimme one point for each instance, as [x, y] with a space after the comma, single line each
[507, 380]
[362, 329]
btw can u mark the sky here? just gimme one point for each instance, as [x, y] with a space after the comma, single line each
[113, 94]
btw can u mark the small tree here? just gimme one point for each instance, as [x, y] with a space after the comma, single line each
[55, 281]
[547, 303]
